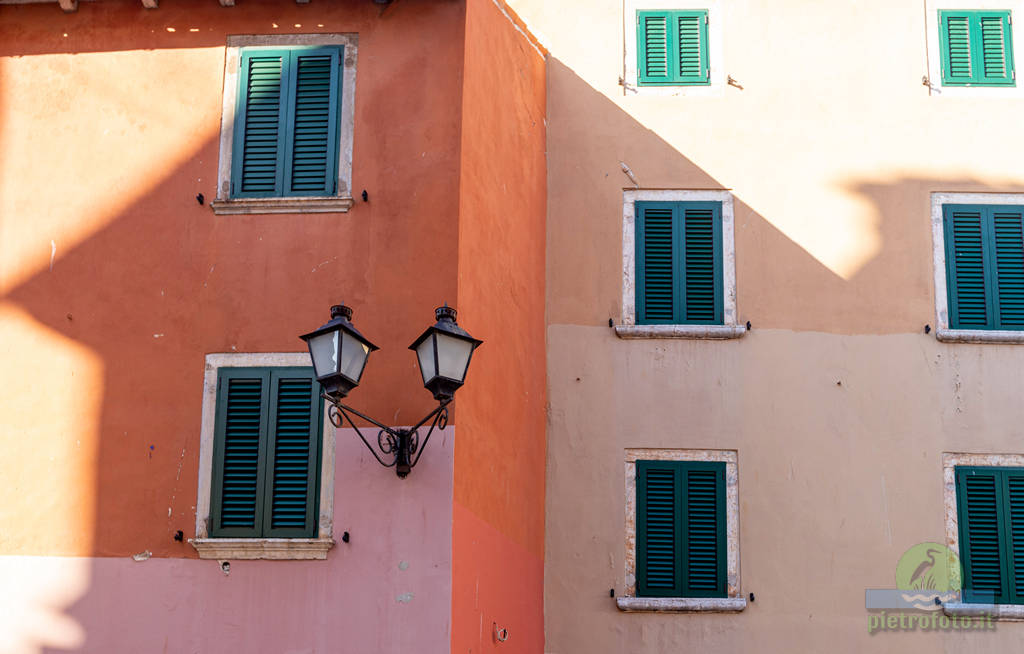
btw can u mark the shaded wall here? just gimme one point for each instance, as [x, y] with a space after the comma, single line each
[838, 403]
[116, 282]
[498, 527]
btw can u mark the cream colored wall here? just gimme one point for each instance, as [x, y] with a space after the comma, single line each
[838, 404]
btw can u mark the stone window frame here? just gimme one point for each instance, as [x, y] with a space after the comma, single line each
[628, 327]
[934, 50]
[943, 332]
[734, 601]
[716, 63]
[950, 461]
[340, 202]
[258, 548]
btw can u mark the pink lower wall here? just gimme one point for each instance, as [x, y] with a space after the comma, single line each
[387, 590]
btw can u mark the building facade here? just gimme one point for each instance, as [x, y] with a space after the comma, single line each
[829, 382]
[186, 189]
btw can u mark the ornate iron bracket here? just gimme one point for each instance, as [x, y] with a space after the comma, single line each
[397, 444]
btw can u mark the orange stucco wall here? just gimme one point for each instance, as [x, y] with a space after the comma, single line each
[115, 282]
[498, 530]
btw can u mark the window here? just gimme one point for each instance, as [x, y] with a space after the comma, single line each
[979, 258]
[673, 47]
[679, 265]
[286, 137]
[977, 48]
[970, 48]
[682, 541]
[266, 453]
[680, 529]
[265, 486]
[990, 510]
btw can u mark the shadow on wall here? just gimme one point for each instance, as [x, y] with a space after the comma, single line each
[156, 283]
[780, 284]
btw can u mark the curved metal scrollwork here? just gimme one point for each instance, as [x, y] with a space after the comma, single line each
[334, 413]
[386, 442]
[399, 444]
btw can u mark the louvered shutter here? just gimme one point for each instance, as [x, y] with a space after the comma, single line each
[702, 258]
[260, 124]
[286, 130]
[705, 546]
[955, 33]
[654, 45]
[679, 263]
[659, 529]
[292, 455]
[995, 48]
[313, 125]
[266, 456]
[681, 548]
[1013, 515]
[239, 447]
[977, 48]
[970, 302]
[672, 48]
[983, 534]
[691, 28]
[1008, 235]
[657, 267]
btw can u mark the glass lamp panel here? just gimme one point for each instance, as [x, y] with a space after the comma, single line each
[452, 356]
[425, 355]
[324, 351]
[353, 357]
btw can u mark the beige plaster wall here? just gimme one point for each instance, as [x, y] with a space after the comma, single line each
[839, 441]
[838, 404]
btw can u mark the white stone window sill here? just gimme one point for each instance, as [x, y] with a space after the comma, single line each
[681, 604]
[995, 611]
[714, 332]
[979, 336]
[282, 205]
[262, 548]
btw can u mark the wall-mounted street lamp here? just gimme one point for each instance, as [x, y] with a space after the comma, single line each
[339, 353]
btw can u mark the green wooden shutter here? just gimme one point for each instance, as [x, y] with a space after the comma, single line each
[692, 30]
[995, 48]
[266, 455]
[681, 537]
[239, 452]
[313, 125]
[654, 43]
[260, 119]
[705, 541]
[955, 41]
[981, 548]
[679, 263]
[702, 283]
[977, 48]
[659, 527]
[293, 450]
[1008, 235]
[970, 303]
[672, 48]
[1013, 516]
[656, 263]
[286, 140]
[985, 266]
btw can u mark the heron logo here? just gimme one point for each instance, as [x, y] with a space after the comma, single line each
[927, 578]
[928, 567]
